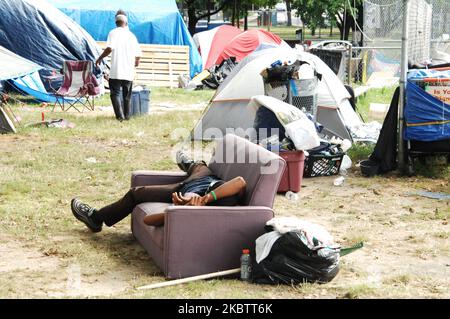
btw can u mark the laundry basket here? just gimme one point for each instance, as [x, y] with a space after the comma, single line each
[301, 93]
[304, 94]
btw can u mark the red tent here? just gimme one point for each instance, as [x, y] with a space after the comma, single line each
[245, 43]
[223, 35]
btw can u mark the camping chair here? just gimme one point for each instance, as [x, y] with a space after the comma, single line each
[79, 85]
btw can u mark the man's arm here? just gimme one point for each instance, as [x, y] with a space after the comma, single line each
[235, 186]
[105, 53]
[137, 60]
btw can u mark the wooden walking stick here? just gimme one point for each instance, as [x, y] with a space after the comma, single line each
[190, 279]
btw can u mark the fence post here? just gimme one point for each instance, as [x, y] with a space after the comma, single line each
[349, 67]
[403, 79]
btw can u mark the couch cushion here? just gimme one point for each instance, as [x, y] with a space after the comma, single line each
[261, 169]
[155, 234]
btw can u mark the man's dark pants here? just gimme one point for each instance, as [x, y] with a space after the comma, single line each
[121, 105]
[117, 211]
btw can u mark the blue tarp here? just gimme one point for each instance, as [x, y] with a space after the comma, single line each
[31, 84]
[427, 118]
[39, 32]
[152, 21]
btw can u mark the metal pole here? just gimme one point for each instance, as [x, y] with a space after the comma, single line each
[349, 66]
[403, 79]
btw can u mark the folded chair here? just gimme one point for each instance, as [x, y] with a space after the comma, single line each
[79, 86]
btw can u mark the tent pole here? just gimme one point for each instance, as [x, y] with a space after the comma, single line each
[403, 79]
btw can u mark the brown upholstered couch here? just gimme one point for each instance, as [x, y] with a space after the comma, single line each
[199, 240]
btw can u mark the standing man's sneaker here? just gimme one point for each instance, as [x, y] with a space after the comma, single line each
[83, 212]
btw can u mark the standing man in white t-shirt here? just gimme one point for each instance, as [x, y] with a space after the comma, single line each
[126, 54]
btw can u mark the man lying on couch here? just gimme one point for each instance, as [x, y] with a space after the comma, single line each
[200, 188]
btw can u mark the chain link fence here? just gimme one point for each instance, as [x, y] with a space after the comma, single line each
[377, 62]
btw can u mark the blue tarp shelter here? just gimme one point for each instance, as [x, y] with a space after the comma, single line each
[40, 33]
[152, 21]
[427, 117]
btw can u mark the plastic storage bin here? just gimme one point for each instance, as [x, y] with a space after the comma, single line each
[293, 174]
[140, 100]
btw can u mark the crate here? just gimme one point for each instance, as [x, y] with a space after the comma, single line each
[322, 165]
[161, 65]
[293, 174]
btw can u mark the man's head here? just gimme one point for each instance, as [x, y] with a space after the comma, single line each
[121, 19]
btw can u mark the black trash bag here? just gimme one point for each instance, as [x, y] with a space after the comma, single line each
[219, 73]
[283, 73]
[291, 261]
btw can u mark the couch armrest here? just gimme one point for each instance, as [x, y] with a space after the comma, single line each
[147, 178]
[200, 240]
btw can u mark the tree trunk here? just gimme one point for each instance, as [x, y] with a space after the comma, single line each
[233, 15]
[246, 18]
[288, 10]
[347, 25]
[331, 28]
[192, 19]
[238, 13]
[360, 21]
[208, 4]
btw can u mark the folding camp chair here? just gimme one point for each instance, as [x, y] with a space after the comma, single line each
[79, 86]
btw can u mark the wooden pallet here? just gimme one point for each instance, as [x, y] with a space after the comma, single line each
[161, 65]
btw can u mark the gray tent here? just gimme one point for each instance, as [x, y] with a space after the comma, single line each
[228, 107]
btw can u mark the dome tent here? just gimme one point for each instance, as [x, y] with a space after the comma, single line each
[212, 42]
[37, 31]
[245, 43]
[153, 22]
[228, 108]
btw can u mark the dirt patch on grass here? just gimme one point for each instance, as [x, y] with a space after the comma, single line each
[17, 257]
[26, 271]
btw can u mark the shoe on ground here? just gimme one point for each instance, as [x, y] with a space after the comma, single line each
[83, 212]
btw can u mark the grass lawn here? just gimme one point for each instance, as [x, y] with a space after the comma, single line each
[47, 253]
[288, 33]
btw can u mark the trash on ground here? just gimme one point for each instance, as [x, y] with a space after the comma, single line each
[60, 123]
[339, 181]
[432, 195]
[292, 196]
